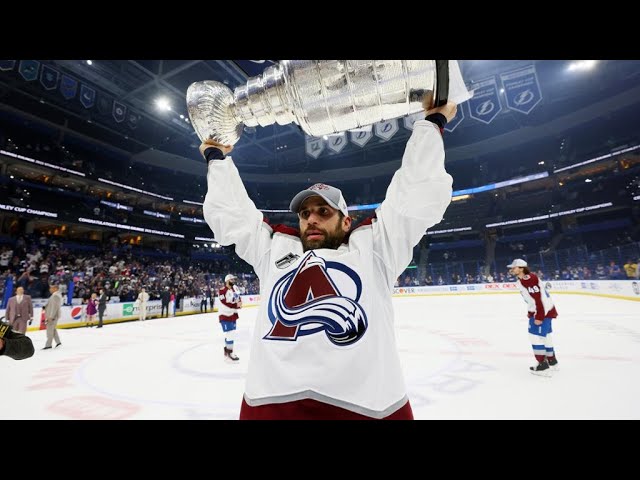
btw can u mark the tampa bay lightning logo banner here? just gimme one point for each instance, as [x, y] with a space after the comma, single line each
[87, 96]
[119, 111]
[49, 77]
[29, 69]
[485, 103]
[314, 146]
[68, 87]
[361, 137]
[6, 65]
[132, 120]
[386, 129]
[337, 142]
[105, 103]
[318, 297]
[522, 89]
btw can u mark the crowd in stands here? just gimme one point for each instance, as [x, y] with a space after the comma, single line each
[629, 271]
[36, 261]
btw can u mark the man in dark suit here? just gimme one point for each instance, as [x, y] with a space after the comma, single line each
[211, 296]
[102, 306]
[165, 296]
[203, 301]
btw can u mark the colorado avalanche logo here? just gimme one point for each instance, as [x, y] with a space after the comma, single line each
[307, 301]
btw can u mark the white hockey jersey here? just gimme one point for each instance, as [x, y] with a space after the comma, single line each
[324, 329]
[228, 302]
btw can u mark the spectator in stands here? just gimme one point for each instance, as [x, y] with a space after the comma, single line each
[615, 272]
[23, 279]
[630, 269]
[20, 245]
[37, 288]
[5, 257]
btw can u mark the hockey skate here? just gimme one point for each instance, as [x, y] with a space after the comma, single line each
[553, 363]
[541, 369]
[229, 356]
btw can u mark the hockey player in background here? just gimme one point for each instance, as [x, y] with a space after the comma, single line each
[324, 340]
[230, 303]
[541, 311]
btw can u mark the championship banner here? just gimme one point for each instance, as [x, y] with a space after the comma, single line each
[361, 137]
[314, 146]
[7, 65]
[49, 77]
[386, 129]
[337, 142]
[119, 111]
[87, 96]
[409, 120]
[522, 89]
[455, 121]
[133, 119]
[68, 87]
[29, 69]
[104, 104]
[484, 106]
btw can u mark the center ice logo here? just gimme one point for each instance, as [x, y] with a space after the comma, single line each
[318, 296]
[76, 313]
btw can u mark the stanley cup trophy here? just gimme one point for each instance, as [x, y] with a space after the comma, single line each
[322, 96]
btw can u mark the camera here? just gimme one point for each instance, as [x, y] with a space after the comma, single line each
[13, 344]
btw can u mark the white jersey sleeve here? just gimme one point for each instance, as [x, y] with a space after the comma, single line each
[531, 303]
[231, 296]
[419, 193]
[232, 215]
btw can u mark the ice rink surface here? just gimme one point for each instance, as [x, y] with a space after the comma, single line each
[464, 357]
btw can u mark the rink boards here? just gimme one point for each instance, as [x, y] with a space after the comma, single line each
[75, 316]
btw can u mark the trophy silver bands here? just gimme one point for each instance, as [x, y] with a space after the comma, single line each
[321, 96]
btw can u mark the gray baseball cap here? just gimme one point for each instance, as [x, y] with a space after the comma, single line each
[332, 195]
[518, 262]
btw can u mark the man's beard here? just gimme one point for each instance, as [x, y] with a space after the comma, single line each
[331, 240]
